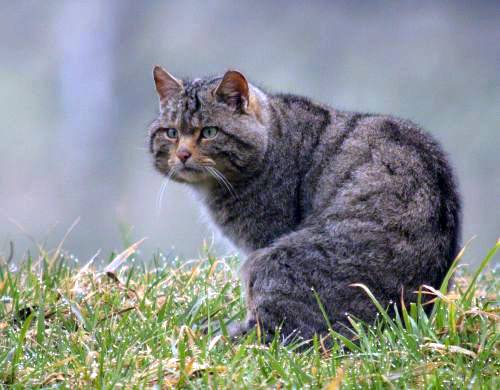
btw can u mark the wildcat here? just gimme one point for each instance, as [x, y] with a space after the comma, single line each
[317, 198]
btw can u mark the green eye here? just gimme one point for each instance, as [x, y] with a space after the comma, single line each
[171, 133]
[209, 132]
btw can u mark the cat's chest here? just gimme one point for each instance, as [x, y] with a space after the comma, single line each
[254, 220]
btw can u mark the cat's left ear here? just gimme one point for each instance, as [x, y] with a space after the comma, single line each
[233, 90]
[166, 84]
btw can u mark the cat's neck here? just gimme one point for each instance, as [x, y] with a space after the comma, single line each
[276, 190]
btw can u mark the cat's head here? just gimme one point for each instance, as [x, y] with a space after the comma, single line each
[208, 123]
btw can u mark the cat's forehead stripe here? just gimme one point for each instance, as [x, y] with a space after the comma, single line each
[191, 106]
[186, 112]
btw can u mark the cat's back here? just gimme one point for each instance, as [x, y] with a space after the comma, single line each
[373, 167]
[380, 147]
[388, 172]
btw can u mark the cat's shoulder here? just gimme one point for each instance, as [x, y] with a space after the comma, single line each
[378, 127]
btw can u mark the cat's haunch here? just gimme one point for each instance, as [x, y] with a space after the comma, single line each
[317, 198]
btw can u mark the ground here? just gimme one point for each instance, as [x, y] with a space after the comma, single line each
[130, 323]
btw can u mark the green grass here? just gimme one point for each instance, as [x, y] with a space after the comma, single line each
[138, 326]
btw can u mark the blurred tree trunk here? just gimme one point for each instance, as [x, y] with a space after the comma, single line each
[86, 38]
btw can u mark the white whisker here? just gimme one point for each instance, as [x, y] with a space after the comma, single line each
[219, 176]
[227, 182]
[164, 184]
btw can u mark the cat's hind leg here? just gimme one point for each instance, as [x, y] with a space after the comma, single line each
[284, 282]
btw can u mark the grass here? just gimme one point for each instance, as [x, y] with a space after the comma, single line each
[128, 325]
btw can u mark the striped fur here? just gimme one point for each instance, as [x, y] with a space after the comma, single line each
[324, 198]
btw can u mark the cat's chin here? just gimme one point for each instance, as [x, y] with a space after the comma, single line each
[189, 176]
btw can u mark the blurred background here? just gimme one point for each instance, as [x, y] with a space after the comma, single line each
[76, 98]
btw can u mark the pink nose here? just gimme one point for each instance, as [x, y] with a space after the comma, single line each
[183, 154]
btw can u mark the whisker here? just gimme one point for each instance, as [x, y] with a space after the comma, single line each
[210, 172]
[159, 200]
[228, 183]
[217, 178]
[222, 179]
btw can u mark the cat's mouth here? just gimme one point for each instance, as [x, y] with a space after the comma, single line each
[189, 168]
[186, 168]
[188, 173]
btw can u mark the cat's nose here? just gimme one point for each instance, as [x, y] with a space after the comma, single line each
[183, 154]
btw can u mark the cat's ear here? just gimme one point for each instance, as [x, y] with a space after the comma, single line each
[233, 90]
[166, 84]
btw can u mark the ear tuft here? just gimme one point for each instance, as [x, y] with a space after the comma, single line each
[233, 90]
[166, 84]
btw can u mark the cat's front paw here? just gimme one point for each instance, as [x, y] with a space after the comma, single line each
[238, 329]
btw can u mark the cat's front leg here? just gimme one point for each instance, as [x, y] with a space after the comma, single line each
[239, 329]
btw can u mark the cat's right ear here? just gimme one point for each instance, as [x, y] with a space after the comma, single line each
[166, 84]
[233, 89]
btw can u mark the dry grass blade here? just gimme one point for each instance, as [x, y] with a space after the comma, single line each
[336, 381]
[449, 348]
[61, 243]
[417, 371]
[214, 267]
[476, 311]
[86, 267]
[117, 313]
[449, 299]
[122, 257]
[77, 313]
[173, 372]
[53, 378]
[214, 341]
